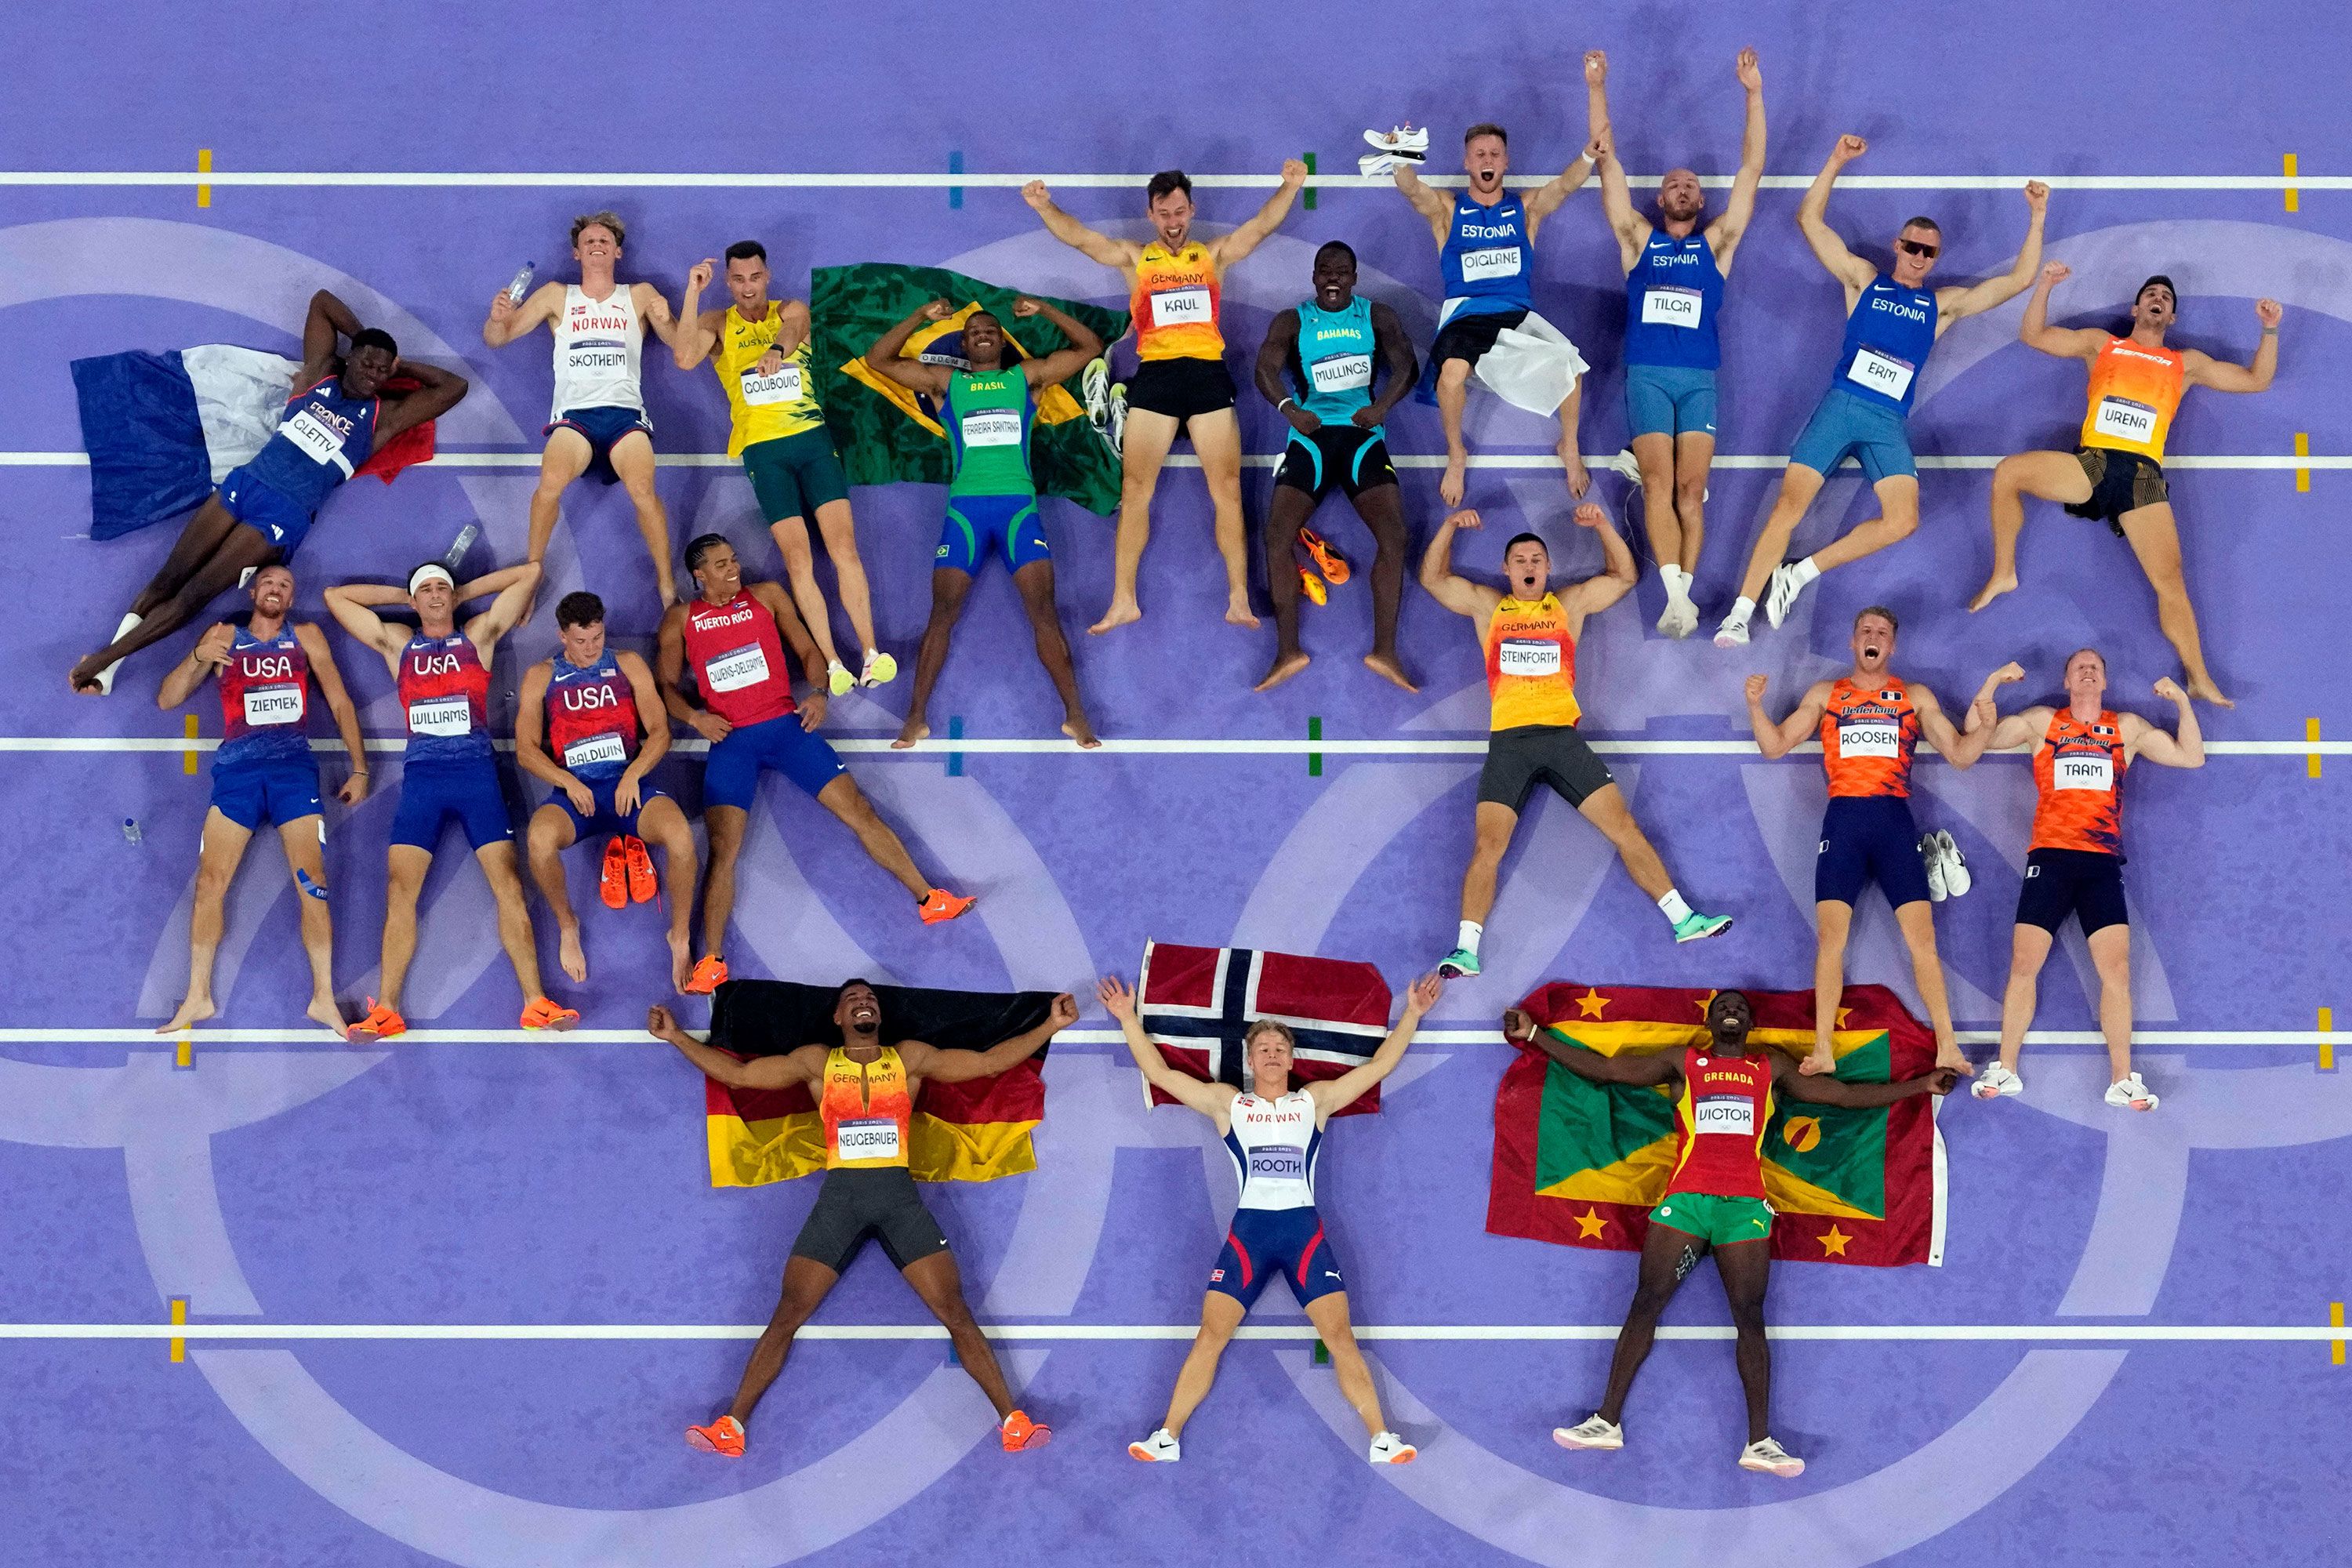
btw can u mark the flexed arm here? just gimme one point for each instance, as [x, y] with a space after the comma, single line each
[1120, 253]
[1427, 200]
[1230, 247]
[2185, 749]
[1812, 220]
[1458, 594]
[1779, 740]
[2203, 370]
[1959, 747]
[1953, 304]
[1052, 369]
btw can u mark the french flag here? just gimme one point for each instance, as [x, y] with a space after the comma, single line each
[1196, 1004]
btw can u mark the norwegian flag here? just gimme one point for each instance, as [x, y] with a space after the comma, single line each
[1196, 1003]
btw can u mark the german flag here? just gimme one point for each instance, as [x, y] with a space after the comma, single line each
[1582, 1164]
[973, 1131]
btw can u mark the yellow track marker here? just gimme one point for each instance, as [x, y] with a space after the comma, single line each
[2328, 1048]
[184, 1052]
[2335, 1320]
[204, 167]
[188, 759]
[180, 1320]
[2292, 194]
[2303, 449]
[2311, 734]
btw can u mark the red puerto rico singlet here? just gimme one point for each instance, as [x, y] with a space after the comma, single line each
[1719, 1120]
[738, 658]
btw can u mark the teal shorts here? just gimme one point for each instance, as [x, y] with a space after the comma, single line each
[1717, 1221]
[795, 475]
[1845, 425]
[1669, 400]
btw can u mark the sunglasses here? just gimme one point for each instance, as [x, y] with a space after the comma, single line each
[1915, 248]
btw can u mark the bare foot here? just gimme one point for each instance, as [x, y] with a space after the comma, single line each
[195, 1010]
[84, 679]
[568, 954]
[1579, 481]
[1993, 589]
[323, 1010]
[1449, 489]
[1284, 667]
[1819, 1062]
[2204, 690]
[1237, 611]
[916, 730]
[1951, 1057]
[1120, 612]
[1386, 666]
[681, 962]
[1076, 728]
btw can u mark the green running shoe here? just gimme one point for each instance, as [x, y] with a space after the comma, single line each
[1693, 926]
[1458, 962]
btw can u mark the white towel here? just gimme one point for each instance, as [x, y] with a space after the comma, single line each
[1531, 366]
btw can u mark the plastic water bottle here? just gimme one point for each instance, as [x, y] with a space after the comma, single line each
[456, 552]
[522, 284]
[131, 829]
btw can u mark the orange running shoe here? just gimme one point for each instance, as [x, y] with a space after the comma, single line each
[641, 886]
[939, 906]
[542, 1013]
[1019, 1432]
[1312, 586]
[612, 886]
[709, 975]
[380, 1023]
[1327, 561]
[723, 1437]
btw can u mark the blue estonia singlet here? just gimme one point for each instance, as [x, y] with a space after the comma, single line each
[264, 692]
[1671, 300]
[446, 694]
[1332, 365]
[322, 436]
[591, 717]
[1887, 340]
[1487, 259]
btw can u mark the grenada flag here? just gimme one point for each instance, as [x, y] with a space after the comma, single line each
[1583, 1164]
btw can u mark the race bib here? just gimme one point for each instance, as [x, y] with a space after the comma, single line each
[1182, 308]
[1672, 307]
[1881, 373]
[441, 715]
[2125, 420]
[1517, 658]
[992, 427]
[785, 386]
[314, 440]
[737, 668]
[1342, 373]
[2081, 772]
[588, 753]
[1732, 1114]
[597, 356]
[1502, 261]
[875, 1138]
[273, 705]
[1277, 1161]
[1870, 738]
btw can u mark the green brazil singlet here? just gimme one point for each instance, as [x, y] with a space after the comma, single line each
[989, 414]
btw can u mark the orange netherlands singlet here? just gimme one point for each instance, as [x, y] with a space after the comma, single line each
[2135, 391]
[1175, 304]
[1719, 1120]
[1531, 664]
[1868, 733]
[2078, 776]
[866, 1110]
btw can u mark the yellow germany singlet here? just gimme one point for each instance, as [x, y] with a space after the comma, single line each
[1531, 664]
[763, 407]
[2135, 391]
[868, 1113]
[1175, 304]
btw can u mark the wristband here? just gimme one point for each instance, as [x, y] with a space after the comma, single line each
[2270, 332]
[1286, 403]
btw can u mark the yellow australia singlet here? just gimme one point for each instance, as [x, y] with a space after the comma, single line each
[763, 406]
[866, 1110]
[2135, 391]
[1531, 664]
[1175, 304]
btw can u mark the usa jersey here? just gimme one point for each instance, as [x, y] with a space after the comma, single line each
[265, 697]
[591, 717]
[445, 693]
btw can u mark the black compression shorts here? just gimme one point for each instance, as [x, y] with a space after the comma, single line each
[881, 1203]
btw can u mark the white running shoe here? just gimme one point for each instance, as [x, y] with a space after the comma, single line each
[2128, 1090]
[881, 669]
[1679, 620]
[1931, 856]
[1372, 165]
[1626, 464]
[1160, 1448]
[1094, 391]
[1769, 1456]
[1732, 633]
[1388, 1448]
[1115, 431]
[1996, 1079]
[1957, 880]
[1780, 594]
[1589, 1433]
[1408, 142]
[838, 680]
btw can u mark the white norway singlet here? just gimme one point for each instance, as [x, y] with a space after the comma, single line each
[596, 344]
[1273, 1143]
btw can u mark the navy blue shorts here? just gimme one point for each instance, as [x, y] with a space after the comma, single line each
[1262, 1242]
[1869, 838]
[2079, 882]
[466, 788]
[731, 775]
[608, 817]
[981, 526]
[278, 517]
[279, 790]
[605, 429]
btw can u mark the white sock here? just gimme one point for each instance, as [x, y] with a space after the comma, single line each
[121, 630]
[1741, 608]
[1468, 941]
[1677, 582]
[1805, 572]
[1672, 906]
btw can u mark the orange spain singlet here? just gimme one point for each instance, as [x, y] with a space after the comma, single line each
[1531, 664]
[1175, 304]
[867, 1111]
[2135, 391]
[2078, 776]
[1868, 733]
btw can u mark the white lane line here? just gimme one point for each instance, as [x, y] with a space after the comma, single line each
[1505, 460]
[2146, 1039]
[1440, 1333]
[704, 180]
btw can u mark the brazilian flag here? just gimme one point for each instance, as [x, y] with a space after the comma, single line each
[1583, 1164]
[886, 433]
